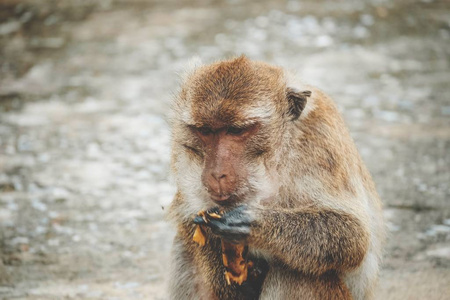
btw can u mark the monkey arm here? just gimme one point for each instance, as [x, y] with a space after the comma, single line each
[311, 240]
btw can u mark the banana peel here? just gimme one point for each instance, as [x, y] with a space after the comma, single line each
[233, 255]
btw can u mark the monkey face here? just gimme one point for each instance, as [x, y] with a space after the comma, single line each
[229, 122]
[225, 169]
[228, 162]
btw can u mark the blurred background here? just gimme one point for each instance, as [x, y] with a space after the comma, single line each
[85, 88]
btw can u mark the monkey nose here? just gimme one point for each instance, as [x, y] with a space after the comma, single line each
[219, 186]
[218, 176]
[215, 183]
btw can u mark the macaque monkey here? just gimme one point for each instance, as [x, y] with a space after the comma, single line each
[275, 156]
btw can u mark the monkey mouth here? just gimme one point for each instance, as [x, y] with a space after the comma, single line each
[227, 198]
[220, 198]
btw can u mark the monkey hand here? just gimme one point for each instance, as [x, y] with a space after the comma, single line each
[233, 225]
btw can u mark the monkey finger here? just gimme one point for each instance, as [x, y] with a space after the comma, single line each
[199, 220]
[216, 224]
[226, 230]
[230, 221]
[214, 210]
[237, 231]
[240, 212]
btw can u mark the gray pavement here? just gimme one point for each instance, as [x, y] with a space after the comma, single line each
[85, 87]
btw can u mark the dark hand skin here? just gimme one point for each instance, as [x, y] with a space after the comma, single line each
[233, 226]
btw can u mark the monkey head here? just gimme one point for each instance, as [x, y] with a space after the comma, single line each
[230, 122]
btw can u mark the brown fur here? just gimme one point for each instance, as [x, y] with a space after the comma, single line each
[317, 216]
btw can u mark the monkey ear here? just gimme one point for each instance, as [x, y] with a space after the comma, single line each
[297, 101]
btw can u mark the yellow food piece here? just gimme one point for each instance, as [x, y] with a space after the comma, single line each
[229, 277]
[214, 216]
[225, 260]
[235, 263]
[202, 214]
[199, 236]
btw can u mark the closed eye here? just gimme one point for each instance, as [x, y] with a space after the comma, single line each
[204, 131]
[236, 130]
[193, 150]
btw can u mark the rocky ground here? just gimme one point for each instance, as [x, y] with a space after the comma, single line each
[85, 88]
